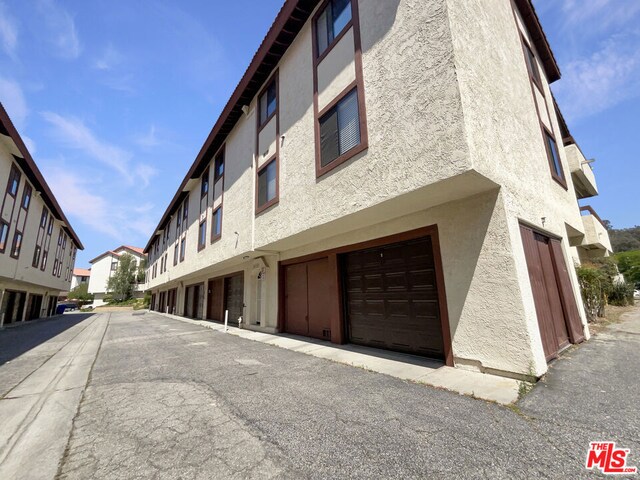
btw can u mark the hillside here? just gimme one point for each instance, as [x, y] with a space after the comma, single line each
[624, 239]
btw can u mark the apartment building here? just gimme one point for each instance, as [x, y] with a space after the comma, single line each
[394, 174]
[37, 244]
[80, 276]
[105, 265]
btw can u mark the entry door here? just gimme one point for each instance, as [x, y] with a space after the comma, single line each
[307, 303]
[234, 297]
[215, 300]
[558, 317]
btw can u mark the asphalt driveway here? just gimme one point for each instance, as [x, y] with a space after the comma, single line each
[168, 399]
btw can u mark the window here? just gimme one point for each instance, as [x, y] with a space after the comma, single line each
[532, 64]
[340, 129]
[26, 197]
[45, 256]
[43, 218]
[182, 248]
[268, 103]
[50, 229]
[4, 235]
[36, 256]
[331, 22]
[17, 245]
[216, 224]
[114, 266]
[218, 167]
[554, 157]
[204, 185]
[185, 213]
[267, 185]
[14, 181]
[202, 235]
[178, 223]
[175, 255]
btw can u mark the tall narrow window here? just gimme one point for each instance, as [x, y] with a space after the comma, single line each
[218, 166]
[14, 181]
[185, 213]
[204, 184]
[532, 64]
[36, 256]
[202, 235]
[340, 129]
[331, 22]
[554, 158]
[26, 197]
[267, 185]
[17, 245]
[43, 218]
[4, 235]
[268, 102]
[175, 255]
[182, 248]
[216, 224]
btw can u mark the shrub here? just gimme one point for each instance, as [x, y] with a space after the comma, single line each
[595, 285]
[621, 294]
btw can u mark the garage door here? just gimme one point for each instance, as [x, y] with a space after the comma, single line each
[392, 298]
[234, 297]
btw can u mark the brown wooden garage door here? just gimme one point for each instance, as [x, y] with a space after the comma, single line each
[392, 298]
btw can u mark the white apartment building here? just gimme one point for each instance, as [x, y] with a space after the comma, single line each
[390, 173]
[79, 276]
[37, 244]
[103, 267]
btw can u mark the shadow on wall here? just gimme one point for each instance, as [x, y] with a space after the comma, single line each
[17, 340]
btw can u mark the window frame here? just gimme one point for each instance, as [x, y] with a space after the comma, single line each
[202, 234]
[175, 253]
[218, 159]
[15, 243]
[319, 56]
[272, 82]
[183, 248]
[531, 61]
[559, 177]
[204, 184]
[27, 192]
[14, 175]
[276, 198]
[3, 224]
[216, 236]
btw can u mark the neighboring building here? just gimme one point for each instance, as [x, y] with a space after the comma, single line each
[37, 244]
[80, 276]
[103, 267]
[391, 174]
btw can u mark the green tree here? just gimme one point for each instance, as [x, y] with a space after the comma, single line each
[629, 265]
[81, 294]
[140, 276]
[121, 284]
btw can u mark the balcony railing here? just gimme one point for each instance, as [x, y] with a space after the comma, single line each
[584, 180]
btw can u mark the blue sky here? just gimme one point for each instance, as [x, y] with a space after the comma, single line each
[115, 98]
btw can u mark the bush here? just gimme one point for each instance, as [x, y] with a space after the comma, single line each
[595, 285]
[621, 294]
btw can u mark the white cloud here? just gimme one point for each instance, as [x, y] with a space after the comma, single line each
[600, 14]
[109, 59]
[29, 143]
[605, 78]
[61, 29]
[12, 98]
[148, 140]
[75, 134]
[144, 173]
[8, 31]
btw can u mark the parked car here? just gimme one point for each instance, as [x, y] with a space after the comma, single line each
[636, 294]
[66, 306]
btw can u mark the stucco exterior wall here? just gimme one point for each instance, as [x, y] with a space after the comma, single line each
[22, 269]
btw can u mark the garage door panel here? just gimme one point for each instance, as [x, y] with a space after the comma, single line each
[392, 298]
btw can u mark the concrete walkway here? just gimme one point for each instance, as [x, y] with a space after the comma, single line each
[405, 367]
[37, 412]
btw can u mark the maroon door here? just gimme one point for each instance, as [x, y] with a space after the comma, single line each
[556, 308]
[215, 299]
[234, 297]
[307, 305]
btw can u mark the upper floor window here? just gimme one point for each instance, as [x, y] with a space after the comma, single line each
[4, 235]
[114, 266]
[268, 102]
[50, 229]
[554, 157]
[267, 184]
[202, 235]
[43, 217]
[204, 183]
[218, 166]
[14, 181]
[183, 245]
[216, 224]
[26, 197]
[532, 65]
[17, 245]
[335, 18]
[185, 213]
[340, 129]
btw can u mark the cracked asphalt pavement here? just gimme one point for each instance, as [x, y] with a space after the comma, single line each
[139, 395]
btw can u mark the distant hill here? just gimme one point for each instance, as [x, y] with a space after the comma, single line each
[624, 239]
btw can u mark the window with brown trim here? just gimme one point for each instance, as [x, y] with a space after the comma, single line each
[554, 157]
[26, 197]
[202, 235]
[14, 181]
[268, 184]
[4, 235]
[36, 256]
[268, 103]
[114, 266]
[43, 217]
[330, 23]
[17, 244]
[182, 249]
[175, 255]
[185, 213]
[218, 166]
[216, 224]
[532, 64]
[340, 129]
[45, 257]
[204, 184]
